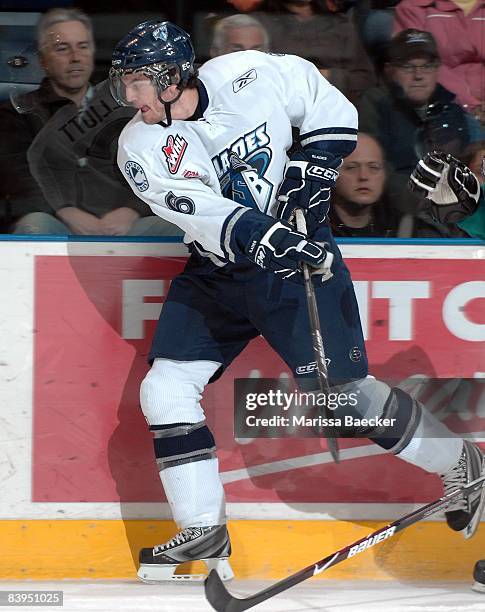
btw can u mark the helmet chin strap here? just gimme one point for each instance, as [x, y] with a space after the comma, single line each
[167, 107]
[168, 114]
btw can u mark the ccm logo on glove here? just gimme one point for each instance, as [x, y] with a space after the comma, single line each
[322, 173]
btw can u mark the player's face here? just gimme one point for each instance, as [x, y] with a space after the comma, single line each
[362, 175]
[417, 77]
[67, 56]
[142, 94]
[243, 39]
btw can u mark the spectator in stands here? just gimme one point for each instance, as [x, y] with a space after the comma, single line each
[374, 20]
[308, 29]
[58, 145]
[238, 33]
[412, 113]
[360, 206]
[459, 29]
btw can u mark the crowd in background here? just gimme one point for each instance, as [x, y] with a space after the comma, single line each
[415, 70]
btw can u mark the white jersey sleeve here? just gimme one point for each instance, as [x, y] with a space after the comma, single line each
[171, 171]
[326, 118]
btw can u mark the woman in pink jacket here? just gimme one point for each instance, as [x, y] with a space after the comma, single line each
[459, 29]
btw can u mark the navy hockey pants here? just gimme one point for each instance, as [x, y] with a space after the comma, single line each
[212, 316]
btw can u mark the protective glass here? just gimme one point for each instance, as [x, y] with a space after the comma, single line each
[441, 129]
[128, 85]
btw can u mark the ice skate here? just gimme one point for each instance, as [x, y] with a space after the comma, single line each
[464, 515]
[208, 544]
[479, 576]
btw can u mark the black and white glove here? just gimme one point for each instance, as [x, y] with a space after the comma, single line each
[450, 185]
[309, 177]
[282, 250]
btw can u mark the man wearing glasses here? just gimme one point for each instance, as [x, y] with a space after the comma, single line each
[413, 114]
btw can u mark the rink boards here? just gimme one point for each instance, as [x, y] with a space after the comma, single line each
[79, 492]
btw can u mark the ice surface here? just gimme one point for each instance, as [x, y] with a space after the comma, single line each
[311, 596]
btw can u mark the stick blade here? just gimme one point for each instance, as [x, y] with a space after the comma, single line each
[219, 597]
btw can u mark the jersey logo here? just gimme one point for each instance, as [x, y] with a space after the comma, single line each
[190, 174]
[181, 204]
[135, 173]
[174, 151]
[244, 79]
[241, 169]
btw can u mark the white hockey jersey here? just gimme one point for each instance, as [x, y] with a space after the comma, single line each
[238, 148]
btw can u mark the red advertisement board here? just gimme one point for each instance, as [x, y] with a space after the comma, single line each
[94, 318]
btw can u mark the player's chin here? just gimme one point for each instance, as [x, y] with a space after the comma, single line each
[150, 117]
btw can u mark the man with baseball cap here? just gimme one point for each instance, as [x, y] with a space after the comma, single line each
[412, 113]
[413, 64]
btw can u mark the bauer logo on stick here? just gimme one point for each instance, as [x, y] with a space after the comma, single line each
[372, 541]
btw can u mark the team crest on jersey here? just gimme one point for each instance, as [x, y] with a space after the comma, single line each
[241, 168]
[135, 173]
[174, 151]
[244, 79]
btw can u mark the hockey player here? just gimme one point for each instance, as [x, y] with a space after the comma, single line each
[207, 152]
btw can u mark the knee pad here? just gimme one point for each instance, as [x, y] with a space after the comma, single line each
[370, 397]
[378, 402]
[182, 443]
[171, 391]
[405, 412]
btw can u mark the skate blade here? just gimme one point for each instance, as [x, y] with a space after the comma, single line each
[478, 587]
[471, 528]
[154, 574]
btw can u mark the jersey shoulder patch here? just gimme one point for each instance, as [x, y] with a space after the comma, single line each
[174, 151]
[136, 174]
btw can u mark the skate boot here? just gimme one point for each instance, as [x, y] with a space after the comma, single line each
[479, 576]
[464, 515]
[208, 544]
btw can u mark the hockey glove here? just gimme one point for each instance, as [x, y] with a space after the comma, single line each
[450, 185]
[309, 178]
[281, 249]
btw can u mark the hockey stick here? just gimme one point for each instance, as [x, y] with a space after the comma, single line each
[317, 341]
[222, 601]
